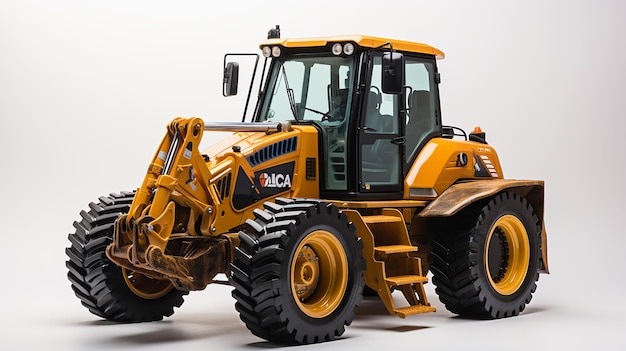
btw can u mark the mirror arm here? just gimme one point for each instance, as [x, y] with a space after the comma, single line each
[228, 80]
[245, 109]
[385, 44]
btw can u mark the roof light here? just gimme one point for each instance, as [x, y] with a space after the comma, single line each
[267, 51]
[337, 49]
[275, 51]
[348, 49]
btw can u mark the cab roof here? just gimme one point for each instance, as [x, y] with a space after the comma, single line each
[360, 40]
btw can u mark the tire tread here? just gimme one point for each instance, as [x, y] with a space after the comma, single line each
[96, 281]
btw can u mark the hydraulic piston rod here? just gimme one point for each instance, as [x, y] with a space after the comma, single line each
[243, 127]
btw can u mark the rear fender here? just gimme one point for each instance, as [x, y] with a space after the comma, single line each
[461, 195]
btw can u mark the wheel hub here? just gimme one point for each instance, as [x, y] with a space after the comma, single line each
[306, 274]
[507, 255]
[319, 274]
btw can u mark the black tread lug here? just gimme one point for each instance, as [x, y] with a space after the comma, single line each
[248, 240]
[264, 216]
[272, 207]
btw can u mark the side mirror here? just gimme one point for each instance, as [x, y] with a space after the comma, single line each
[231, 79]
[393, 72]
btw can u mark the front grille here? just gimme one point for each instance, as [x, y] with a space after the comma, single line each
[311, 169]
[223, 186]
[272, 151]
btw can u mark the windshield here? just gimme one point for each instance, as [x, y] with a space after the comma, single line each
[306, 87]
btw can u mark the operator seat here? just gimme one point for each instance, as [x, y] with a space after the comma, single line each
[420, 120]
[372, 112]
[376, 157]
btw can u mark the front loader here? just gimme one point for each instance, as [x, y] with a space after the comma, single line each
[343, 183]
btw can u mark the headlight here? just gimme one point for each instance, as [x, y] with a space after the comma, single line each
[275, 51]
[348, 49]
[337, 49]
[267, 51]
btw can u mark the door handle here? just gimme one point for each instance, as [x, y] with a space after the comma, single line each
[399, 140]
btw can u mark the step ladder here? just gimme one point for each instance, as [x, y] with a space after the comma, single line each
[390, 263]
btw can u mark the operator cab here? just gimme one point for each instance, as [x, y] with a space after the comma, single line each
[374, 101]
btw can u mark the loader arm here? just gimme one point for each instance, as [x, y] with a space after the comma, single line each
[178, 172]
[167, 233]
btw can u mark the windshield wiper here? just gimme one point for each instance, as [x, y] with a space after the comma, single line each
[325, 115]
[290, 97]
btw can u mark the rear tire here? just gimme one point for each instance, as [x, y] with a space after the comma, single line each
[298, 272]
[491, 270]
[107, 290]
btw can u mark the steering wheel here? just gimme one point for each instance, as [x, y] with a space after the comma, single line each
[325, 115]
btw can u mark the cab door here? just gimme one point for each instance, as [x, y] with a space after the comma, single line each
[381, 143]
[421, 106]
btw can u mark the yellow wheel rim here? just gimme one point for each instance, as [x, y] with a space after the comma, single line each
[507, 255]
[145, 287]
[319, 274]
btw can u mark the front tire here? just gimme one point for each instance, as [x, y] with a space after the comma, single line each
[108, 291]
[490, 270]
[298, 272]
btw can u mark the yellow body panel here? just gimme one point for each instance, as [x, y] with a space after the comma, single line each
[303, 187]
[438, 166]
[224, 160]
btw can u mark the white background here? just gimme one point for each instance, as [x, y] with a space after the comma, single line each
[87, 88]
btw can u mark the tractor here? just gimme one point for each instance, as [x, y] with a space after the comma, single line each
[342, 183]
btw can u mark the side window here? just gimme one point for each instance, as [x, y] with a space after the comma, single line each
[339, 93]
[317, 92]
[421, 120]
[381, 113]
[335, 127]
